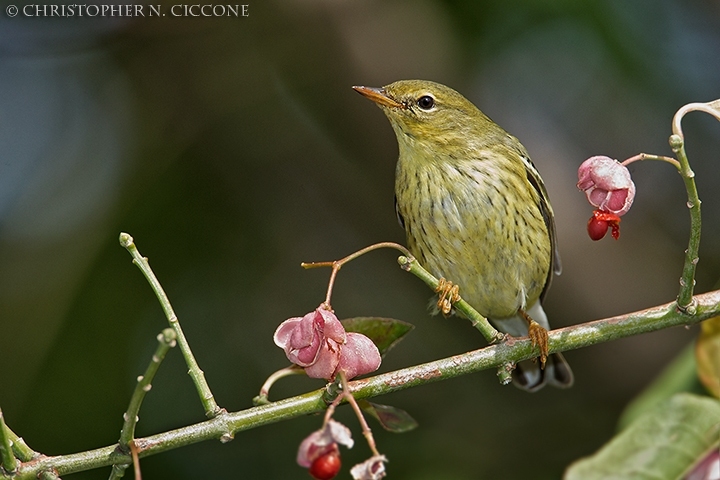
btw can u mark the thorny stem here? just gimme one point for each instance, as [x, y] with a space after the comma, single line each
[166, 340]
[677, 143]
[337, 264]
[206, 397]
[687, 280]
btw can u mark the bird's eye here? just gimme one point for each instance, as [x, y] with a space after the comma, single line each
[426, 102]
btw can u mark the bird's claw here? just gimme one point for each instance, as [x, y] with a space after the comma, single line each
[449, 295]
[539, 338]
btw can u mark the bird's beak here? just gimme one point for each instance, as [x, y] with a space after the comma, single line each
[378, 96]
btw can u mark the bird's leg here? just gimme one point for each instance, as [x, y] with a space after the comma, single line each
[449, 294]
[538, 336]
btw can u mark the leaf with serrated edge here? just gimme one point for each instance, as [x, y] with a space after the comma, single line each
[662, 444]
[384, 332]
[391, 418]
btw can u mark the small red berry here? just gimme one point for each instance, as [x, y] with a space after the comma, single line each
[326, 467]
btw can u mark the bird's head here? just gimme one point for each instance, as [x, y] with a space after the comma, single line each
[429, 112]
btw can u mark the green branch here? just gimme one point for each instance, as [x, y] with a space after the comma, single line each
[206, 397]
[22, 451]
[224, 427]
[478, 321]
[48, 475]
[9, 462]
[687, 279]
[677, 143]
[166, 340]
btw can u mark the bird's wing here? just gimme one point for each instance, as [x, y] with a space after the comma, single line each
[546, 210]
[400, 218]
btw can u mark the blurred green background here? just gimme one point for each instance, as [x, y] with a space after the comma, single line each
[233, 149]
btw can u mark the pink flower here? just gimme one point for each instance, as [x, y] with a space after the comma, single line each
[607, 184]
[358, 356]
[318, 342]
[303, 338]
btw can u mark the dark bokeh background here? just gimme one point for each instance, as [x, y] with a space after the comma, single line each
[233, 149]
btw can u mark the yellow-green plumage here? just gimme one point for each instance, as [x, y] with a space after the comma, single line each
[474, 208]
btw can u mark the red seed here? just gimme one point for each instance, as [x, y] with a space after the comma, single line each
[597, 228]
[326, 466]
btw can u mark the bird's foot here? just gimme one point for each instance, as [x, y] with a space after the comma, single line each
[538, 336]
[449, 294]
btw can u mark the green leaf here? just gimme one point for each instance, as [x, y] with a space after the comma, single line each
[662, 444]
[384, 332]
[392, 419]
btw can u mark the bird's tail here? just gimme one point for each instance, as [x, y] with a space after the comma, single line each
[527, 374]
